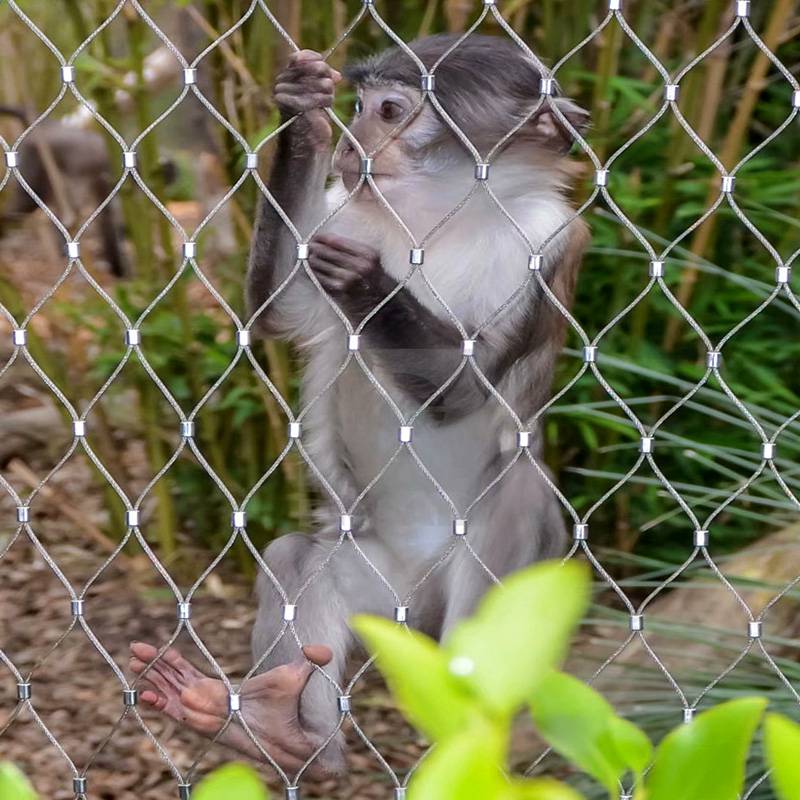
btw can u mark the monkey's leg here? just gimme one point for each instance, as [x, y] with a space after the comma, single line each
[327, 590]
[519, 523]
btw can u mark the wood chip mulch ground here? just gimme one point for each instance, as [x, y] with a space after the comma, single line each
[78, 696]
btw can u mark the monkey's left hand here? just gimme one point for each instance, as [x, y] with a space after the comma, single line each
[350, 272]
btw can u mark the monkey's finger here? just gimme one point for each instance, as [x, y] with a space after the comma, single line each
[332, 262]
[136, 665]
[345, 244]
[301, 103]
[143, 651]
[351, 262]
[151, 697]
[319, 69]
[311, 87]
[332, 286]
[305, 55]
[300, 83]
[305, 83]
[329, 275]
[318, 654]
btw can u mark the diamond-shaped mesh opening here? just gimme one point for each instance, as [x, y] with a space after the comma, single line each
[152, 445]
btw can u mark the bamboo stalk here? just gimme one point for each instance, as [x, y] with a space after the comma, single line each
[608, 65]
[339, 19]
[519, 18]
[428, 18]
[457, 14]
[236, 63]
[289, 14]
[728, 155]
[665, 35]
[713, 21]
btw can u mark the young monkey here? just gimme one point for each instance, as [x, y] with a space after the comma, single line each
[407, 525]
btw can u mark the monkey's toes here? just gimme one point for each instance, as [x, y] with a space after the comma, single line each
[208, 697]
[318, 654]
[171, 661]
[153, 698]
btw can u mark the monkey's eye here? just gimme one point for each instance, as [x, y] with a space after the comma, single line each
[391, 111]
[359, 107]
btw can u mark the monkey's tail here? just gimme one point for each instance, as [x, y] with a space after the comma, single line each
[18, 113]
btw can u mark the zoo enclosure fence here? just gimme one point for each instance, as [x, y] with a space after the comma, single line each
[590, 358]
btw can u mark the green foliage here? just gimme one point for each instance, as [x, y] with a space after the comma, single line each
[464, 766]
[578, 723]
[232, 781]
[706, 759]
[13, 784]
[469, 716]
[503, 668]
[433, 701]
[782, 754]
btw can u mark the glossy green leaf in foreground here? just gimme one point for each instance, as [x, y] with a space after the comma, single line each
[14, 785]
[540, 789]
[581, 725]
[782, 754]
[522, 629]
[232, 781]
[467, 766]
[418, 675]
[705, 760]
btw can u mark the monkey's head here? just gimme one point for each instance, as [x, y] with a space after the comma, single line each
[487, 85]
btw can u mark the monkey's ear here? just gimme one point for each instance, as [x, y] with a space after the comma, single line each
[548, 129]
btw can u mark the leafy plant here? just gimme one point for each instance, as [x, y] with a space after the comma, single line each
[782, 747]
[232, 781]
[465, 693]
[14, 785]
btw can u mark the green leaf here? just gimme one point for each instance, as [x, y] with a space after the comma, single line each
[540, 789]
[581, 725]
[417, 673]
[631, 743]
[468, 766]
[232, 780]
[705, 760]
[521, 630]
[14, 785]
[782, 754]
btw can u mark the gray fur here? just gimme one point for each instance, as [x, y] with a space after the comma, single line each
[487, 84]
[82, 160]
[401, 525]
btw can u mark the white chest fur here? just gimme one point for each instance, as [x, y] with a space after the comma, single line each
[473, 265]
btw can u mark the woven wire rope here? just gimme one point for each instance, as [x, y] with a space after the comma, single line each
[705, 527]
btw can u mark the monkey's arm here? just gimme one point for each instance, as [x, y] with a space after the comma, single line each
[297, 185]
[420, 350]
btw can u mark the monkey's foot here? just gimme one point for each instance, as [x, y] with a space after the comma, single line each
[269, 703]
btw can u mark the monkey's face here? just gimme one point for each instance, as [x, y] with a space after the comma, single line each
[391, 127]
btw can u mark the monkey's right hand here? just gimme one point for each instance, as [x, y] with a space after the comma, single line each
[307, 86]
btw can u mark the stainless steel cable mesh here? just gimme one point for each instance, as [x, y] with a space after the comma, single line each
[701, 529]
